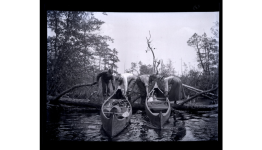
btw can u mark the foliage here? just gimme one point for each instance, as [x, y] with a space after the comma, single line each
[140, 68]
[208, 57]
[146, 69]
[167, 69]
[75, 52]
[207, 50]
[199, 80]
[133, 68]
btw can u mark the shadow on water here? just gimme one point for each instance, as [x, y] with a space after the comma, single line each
[78, 124]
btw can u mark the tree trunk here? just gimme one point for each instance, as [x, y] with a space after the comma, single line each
[148, 44]
[93, 73]
[199, 55]
[100, 63]
[197, 90]
[70, 89]
[195, 108]
[197, 96]
[135, 106]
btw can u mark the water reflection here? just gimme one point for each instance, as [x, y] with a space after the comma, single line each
[79, 125]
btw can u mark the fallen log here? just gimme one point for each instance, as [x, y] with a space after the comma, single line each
[192, 88]
[74, 102]
[208, 97]
[198, 90]
[92, 94]
[202, 94]
[70, 89]
[187, 100]
[195, 107]
[135, 106]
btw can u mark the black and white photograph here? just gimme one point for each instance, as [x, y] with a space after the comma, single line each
[158, 75]
[132, 76]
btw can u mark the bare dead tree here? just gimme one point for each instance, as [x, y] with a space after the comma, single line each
[149, 46]
[157, 64]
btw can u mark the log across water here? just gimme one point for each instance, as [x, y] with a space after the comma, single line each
[135, 106]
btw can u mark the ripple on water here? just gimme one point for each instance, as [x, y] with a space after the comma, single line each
[79, 126]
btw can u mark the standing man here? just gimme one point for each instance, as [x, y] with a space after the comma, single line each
[127, 82]
[175, 92]
[142, 83]
[106, 76]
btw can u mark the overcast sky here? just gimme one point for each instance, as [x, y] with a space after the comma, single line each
[169, 33]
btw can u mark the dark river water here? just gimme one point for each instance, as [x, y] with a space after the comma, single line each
[78, 124]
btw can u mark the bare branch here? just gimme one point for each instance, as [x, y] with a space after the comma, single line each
[158, 63]
[187, 100]
[149, 46]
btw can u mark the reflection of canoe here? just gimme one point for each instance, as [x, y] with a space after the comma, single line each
[158, 109]
[115, 113]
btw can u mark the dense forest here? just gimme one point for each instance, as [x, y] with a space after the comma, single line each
[76, 52]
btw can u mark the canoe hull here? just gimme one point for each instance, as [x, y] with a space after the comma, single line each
[159, 118]
[113, 125]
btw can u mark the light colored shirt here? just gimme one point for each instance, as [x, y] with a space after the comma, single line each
[126, 77]
[166, 82]
[145, 79]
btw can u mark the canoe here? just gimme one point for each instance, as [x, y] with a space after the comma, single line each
[157, 107]
[115, 113]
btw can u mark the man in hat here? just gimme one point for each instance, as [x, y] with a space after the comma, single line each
[106, 77]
